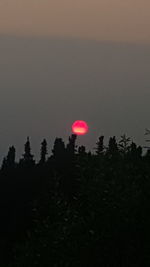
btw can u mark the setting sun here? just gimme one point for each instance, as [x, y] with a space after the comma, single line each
[80, 127]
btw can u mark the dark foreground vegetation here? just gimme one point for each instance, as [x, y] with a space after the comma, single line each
[74, 208]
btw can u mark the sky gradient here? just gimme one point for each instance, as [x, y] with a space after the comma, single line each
[113, 20]
[66, 60]
[47, 84]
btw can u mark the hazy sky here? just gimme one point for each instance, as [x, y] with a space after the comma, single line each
[63, 60]
[46, 84]
[114, 20]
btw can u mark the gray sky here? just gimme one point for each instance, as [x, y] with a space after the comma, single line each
[63, 60]
[46, 84]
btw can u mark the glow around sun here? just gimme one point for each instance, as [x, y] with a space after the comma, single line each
[80, 127]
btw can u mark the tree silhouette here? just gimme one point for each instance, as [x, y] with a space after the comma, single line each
[135, 152]
[100, 146]
[58, 149]
[58, 158]
[71, 146]
[27, 159]
[82, 151]
[124, 144]
[43, 151]
[65, 212]
[9, 160]
[112, 150]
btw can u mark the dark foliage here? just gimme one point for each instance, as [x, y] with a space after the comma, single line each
[43, 151]
[76, 208]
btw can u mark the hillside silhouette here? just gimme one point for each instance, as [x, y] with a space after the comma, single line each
[76, 208]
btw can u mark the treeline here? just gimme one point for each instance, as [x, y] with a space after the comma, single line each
[76, 208]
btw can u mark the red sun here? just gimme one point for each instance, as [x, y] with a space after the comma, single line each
[80, 127]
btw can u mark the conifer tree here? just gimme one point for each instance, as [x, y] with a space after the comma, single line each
[82, 150]
[27, 156]
[124, 144]
[100, 145]
[58, 149]
[43, 151]
[71, 146]
[9, 160]
[11, 156]
[112, 150]
[135, 152]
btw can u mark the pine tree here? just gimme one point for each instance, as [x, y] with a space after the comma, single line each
[9, 160]
[124, 144]
[58, 149]
[135, 152]
[71, 146]
[27, 156]
[43, 151]
[112, 150]
[11, 156]
[100, 145]
[82, 151]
